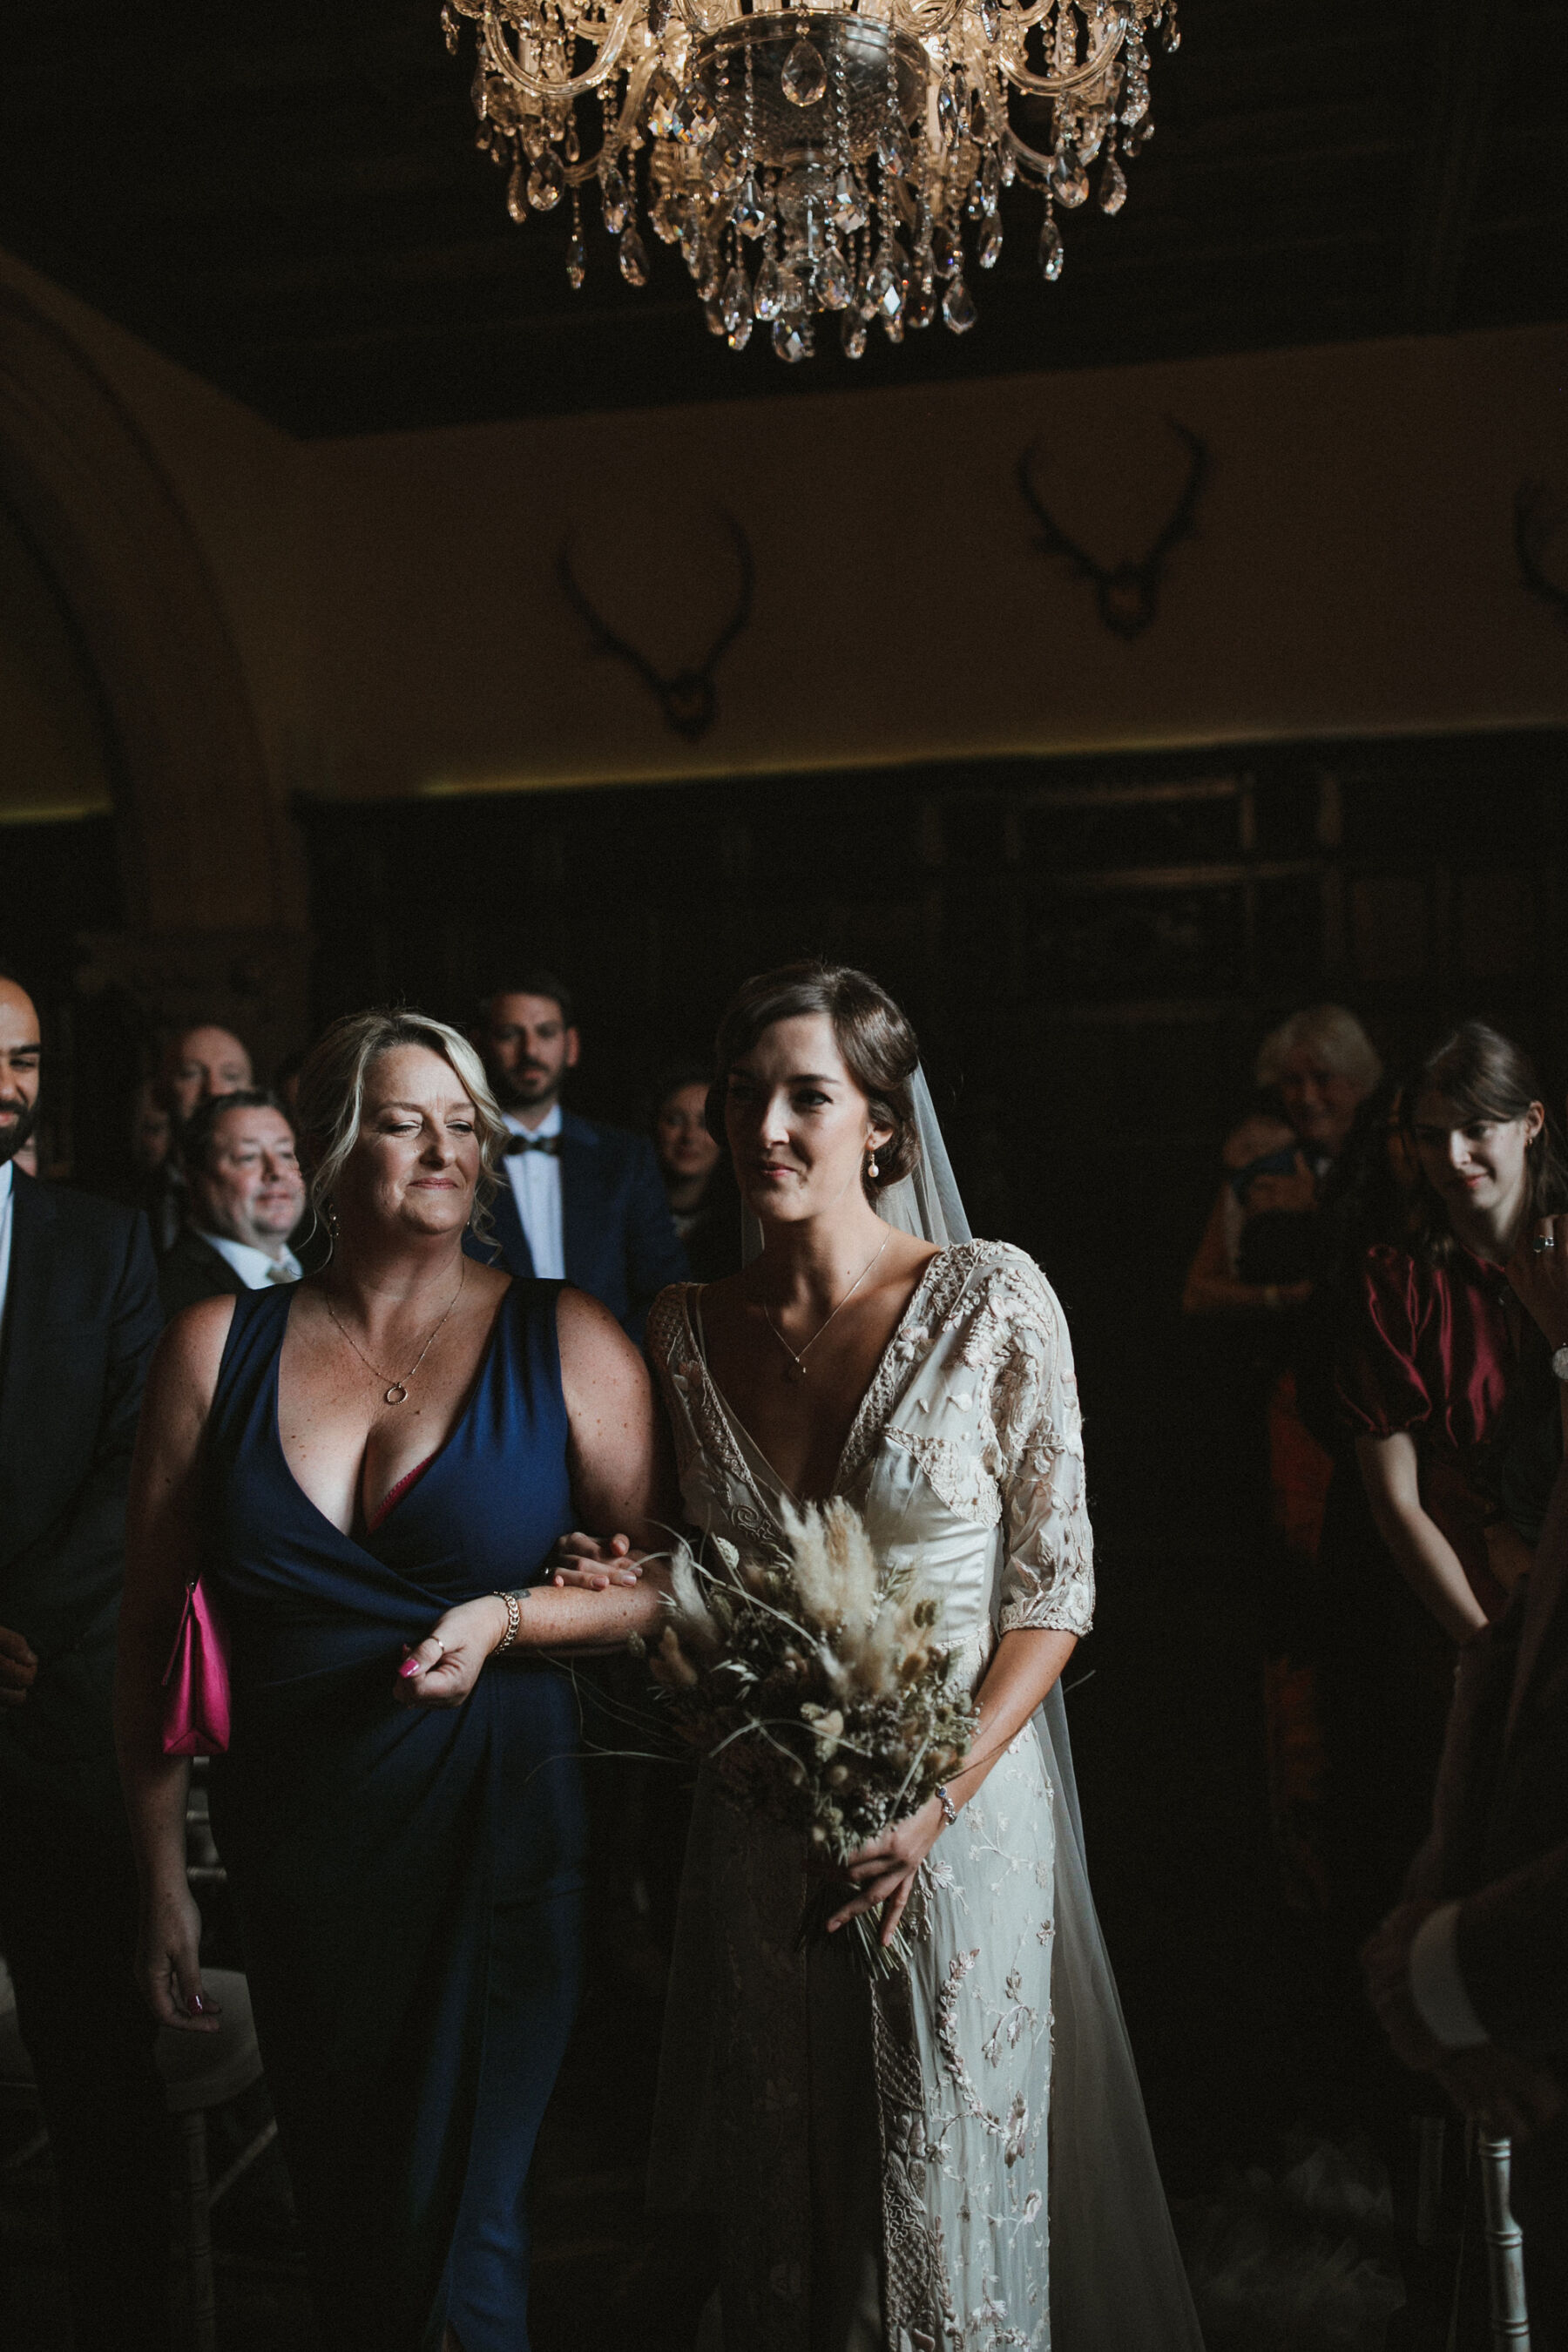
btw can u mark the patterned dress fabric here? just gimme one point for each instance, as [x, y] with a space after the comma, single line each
[966, 1458]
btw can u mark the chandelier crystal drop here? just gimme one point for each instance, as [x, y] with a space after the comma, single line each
[845, 159]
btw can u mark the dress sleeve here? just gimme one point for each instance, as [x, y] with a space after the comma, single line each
[1047, 1571]
[1378, 1379]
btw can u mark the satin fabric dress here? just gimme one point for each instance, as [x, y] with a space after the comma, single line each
[1446, 1352]
[887, 2167]
[407, 1881]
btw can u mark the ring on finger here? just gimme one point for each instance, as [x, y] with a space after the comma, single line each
[1542, 1243]
[440, 1648]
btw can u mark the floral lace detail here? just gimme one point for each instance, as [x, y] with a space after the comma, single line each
[704, 1439]
[922, 1319]
[957, 1474]
[1015, 1458]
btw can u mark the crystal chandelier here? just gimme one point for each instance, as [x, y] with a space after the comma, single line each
[846, 159]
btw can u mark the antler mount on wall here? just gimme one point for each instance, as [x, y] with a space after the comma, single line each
[1126, 594]
[1537, 520]
[688, 698]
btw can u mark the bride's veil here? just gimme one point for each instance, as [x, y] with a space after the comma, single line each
[1117, 2280]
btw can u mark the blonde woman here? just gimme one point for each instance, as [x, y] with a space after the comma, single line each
[370, 1471]
[1253, 1254]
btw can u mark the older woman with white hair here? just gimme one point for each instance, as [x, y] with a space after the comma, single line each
[368, 1473]
[1254, 1254]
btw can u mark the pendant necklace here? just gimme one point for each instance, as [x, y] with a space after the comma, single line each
[397, 1390]
[797, 1356]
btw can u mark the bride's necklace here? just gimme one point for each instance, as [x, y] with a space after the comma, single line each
[397, 1390]
[797, 1356]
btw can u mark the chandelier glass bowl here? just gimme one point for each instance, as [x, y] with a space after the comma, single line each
[840, 165]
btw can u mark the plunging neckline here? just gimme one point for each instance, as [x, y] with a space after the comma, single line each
[870, 1399]
[399, 1491]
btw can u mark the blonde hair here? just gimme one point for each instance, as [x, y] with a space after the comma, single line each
[331, 1097]
[1331, 1030]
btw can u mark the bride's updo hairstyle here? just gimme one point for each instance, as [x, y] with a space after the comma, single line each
[329, 1104]
[878, 1046]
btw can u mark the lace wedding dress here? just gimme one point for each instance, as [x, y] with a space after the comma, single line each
[885, 2163]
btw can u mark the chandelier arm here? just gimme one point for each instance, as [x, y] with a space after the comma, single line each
[579, 174]
[499, 59]
[1081, 78]
[923, 19]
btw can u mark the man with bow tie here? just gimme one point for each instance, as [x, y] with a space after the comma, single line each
[582, 1203]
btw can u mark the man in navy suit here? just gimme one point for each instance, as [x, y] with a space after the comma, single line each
[79, 1314]
[582, 1203]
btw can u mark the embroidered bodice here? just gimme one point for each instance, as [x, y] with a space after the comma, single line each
[970, 1425]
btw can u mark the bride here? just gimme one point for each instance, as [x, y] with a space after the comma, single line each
[956, 2158]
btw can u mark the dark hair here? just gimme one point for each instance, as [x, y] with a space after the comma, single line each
[199, 1132]
[877, 1042]
[536, 982]
[1484, 1075]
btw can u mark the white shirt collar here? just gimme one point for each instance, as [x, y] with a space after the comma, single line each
[549, 1125]
[7, 1198]
[254, 1267]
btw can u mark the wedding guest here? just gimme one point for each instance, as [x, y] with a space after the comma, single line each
[201, 1061]
[1469, 1975]
[246, 1197]
[1440, 1370]
[198, 1063]
[370, 1469]
[582, 1201]
[1378, 1657]
[78, 1306]
[1255, 1253]
[704, 1205]
[1253, 1266]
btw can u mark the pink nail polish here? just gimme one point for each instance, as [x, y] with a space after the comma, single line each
[196, 2008]
[409, 1666]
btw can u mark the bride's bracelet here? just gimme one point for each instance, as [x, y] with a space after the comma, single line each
[514, 1602]
[949, 1810]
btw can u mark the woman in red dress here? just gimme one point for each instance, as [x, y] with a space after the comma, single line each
[1442, 1368]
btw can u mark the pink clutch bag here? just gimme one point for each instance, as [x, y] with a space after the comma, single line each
[196, 1682]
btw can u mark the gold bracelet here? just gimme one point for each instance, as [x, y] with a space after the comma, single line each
[513, 1619]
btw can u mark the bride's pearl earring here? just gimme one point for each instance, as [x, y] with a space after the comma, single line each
[872, 1170]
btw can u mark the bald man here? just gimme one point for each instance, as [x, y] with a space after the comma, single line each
[198, 1064]
[79, 1320]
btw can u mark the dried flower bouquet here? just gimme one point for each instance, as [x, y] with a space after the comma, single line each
[811, 1681]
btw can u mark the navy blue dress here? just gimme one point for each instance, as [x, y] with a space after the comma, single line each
[408, 1881]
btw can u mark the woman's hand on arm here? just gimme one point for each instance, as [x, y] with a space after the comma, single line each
[1390, 1472]
[594, 1562]
[1026, 1669]
[162, 1554]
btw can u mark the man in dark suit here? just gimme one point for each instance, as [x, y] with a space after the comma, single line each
[581, 1202]
[1470, 1974]
[245, 1195]
[79, 1320]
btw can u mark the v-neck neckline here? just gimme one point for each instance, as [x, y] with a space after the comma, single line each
[870, 1395]
[426, 1469]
